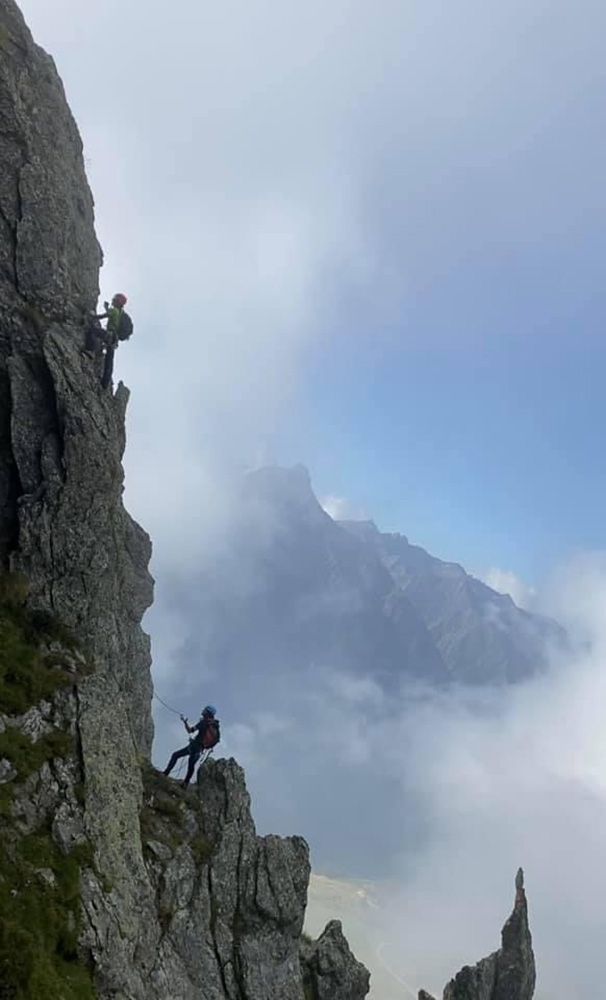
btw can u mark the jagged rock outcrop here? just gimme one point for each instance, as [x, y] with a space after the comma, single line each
[190, 904]
[330, 971]
[113, 883]
[226, 907]
[215, 911]
[507, 974]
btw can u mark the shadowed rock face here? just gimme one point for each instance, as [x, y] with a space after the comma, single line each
[49, 256]
[507, 974]
[330, 970]
[62, 521]
[178, 897]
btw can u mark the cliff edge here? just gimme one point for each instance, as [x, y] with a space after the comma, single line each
[113, 882]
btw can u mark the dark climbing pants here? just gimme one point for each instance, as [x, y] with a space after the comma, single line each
[108, 367]
[96, 339]
[194, 756]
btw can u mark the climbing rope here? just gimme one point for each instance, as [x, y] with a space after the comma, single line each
[162, 702]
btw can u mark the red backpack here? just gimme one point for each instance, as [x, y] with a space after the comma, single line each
[211, 734]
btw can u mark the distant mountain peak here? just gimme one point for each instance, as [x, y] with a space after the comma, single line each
[363, 528]
[281, 487]
[378, 598]
[277, 476]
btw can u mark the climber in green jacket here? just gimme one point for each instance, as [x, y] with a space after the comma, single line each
[119, 327]
[113, 314]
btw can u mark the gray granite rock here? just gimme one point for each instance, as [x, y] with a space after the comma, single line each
[330, 970]
[507, 974]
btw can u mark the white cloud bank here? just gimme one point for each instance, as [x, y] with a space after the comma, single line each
[342, 509]
[471, 786]
[504, 581]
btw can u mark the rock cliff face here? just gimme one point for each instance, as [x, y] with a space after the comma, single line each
[113, 883]
[507, 974]
[61, 440]
[183, 902]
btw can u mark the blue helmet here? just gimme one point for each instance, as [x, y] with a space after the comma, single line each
[209, 710]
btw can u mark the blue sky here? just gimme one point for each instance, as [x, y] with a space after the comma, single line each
[368, 240]
[483, 456]
[475, 424]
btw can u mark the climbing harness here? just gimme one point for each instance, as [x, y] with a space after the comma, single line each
[199, 763]
[203, 756]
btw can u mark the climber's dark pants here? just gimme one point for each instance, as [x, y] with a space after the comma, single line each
[96, 339]
[194, 756]
[108, 367]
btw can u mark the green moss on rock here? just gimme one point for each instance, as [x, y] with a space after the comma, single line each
[40, 902]
[40, 921]
[29, 673]
[163, 818]
[202, 850]
[27, 756]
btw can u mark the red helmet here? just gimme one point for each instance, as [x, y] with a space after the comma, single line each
[120, 299]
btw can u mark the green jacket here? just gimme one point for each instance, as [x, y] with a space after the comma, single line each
[114, 315]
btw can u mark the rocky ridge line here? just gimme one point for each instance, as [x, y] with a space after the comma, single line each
[507, 974]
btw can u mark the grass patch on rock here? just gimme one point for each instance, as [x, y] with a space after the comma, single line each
[27, 756]
[40, 900]
[30, 671]
[163, 819]
[202, 850]
[40, 921]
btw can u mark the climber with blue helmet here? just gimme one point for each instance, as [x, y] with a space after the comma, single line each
[208, 734]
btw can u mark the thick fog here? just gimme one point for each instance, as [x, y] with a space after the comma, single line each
[438, 798]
